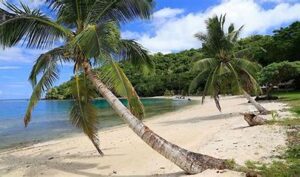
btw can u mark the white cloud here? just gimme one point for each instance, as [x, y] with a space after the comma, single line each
[167, 13]
[177, 30]
[277, 1]
[19, 54]
[130, 35]
[9, 67]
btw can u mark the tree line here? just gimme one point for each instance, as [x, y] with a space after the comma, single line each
[173, 75]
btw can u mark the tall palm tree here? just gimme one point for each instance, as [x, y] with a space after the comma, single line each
[87, 32]
[226, 70]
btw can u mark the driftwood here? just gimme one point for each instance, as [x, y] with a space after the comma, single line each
[266, 97]
[253, 119]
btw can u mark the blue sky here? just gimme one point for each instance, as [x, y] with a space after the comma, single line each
[171, 29]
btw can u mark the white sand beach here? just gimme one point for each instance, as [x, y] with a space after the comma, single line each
[199, 128]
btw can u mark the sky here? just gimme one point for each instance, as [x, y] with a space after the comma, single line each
[171, 29]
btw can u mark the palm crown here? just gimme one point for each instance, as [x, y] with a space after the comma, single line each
[225, 69]
[88, 32]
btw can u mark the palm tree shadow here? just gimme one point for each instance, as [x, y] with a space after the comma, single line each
[175, 174]
[241, 128]
[34, 164]
[201, 119]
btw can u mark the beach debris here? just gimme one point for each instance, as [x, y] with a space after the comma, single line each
[253, 119]
[50, 158]
[252, 174]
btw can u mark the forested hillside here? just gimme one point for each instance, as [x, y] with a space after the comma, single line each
[173, 74]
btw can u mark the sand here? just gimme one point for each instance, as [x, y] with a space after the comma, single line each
[199, 128]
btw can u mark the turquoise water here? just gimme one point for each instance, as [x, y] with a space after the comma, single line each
[50, 119]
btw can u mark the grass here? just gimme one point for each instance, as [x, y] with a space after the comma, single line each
[288, 164]
[292, 98]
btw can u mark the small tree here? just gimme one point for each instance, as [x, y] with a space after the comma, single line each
[276, 73]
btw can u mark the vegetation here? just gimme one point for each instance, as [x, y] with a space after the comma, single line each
[89, 34]
[276, 73]
[226, 70]
[289, 163]
[283, 45]
[172, 71]
[293, 100]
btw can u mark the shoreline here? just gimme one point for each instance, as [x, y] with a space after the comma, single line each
[200, 128]
[77, 132]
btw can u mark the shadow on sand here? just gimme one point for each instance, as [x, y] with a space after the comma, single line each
[34, 165]
[202, 118]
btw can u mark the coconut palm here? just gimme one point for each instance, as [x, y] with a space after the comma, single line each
[87, 35]
[226, 70]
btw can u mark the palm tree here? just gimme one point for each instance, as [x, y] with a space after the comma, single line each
[225, 69]
[87, 33]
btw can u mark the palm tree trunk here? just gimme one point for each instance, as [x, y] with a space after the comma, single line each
[259, 107]
[190, 162]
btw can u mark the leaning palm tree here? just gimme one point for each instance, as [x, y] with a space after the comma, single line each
[226, 70]
[87, 35]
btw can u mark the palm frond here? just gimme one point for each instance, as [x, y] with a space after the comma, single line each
[195, 82]
[72, 13]
[95, 40]
[216, 39]
[136, 54]
[251, 67]
[250, 83]
[45, 60]
[247, 52]
[205, 64]
[36, 29]
[235, 79]
[83, 113]
[113, 76]
[214, 87]
[119, 10]
[50, 74]
[210, 82]
[233, 35]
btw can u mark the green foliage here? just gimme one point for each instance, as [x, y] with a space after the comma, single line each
[172, 72]
[289, 163]
[293, 100]
[83, 113]
[224, 69]
[32, 26]
[275, 73]
[90, 35]
[169, 93]
[276, 168]
[283, 45]
[114, 77]
[60, 93]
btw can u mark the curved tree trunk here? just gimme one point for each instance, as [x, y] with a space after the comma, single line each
[190, 162]
[259, 107]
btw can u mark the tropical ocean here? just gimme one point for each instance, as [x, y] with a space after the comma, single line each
[50, 119]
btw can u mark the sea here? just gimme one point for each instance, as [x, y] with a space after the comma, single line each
[50, 119]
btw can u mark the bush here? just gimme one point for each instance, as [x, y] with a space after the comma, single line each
[169, 93]
[276, 73]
